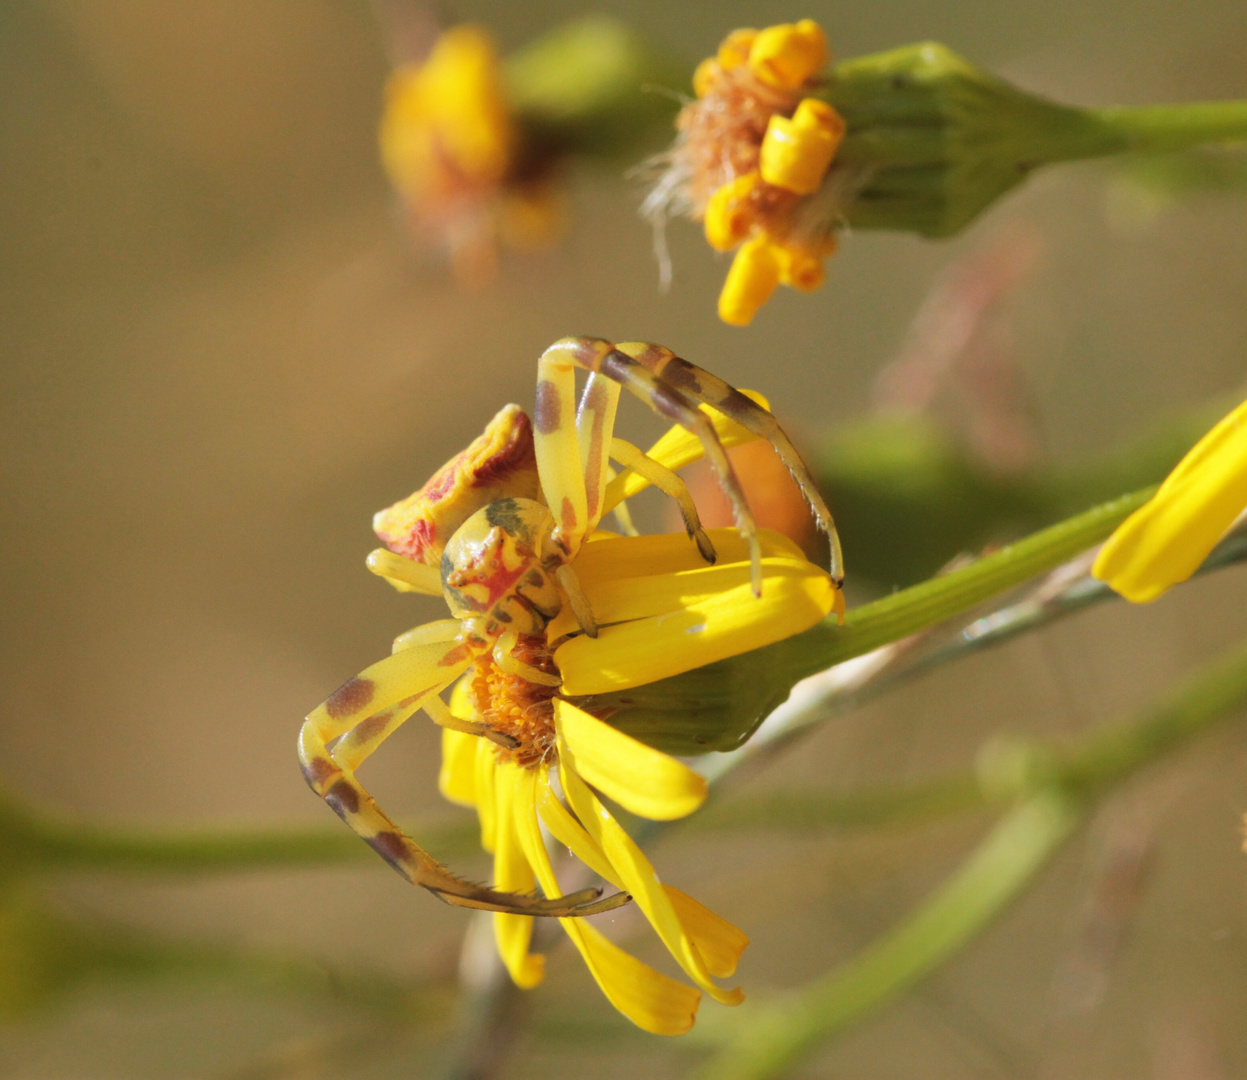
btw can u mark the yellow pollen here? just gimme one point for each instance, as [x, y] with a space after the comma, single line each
[514, 706]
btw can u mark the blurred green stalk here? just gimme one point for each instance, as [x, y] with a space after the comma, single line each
[937, 140]
[717, 707]
[1058, 784]
[994, 874]
[31, 840]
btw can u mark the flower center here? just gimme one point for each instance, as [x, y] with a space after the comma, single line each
[511, 704]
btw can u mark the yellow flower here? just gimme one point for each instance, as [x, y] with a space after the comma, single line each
[452, 149]
[1164, 542]
[660, 610]
[752, 161]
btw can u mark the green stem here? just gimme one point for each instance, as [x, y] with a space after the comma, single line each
[1089, 765]
[719, 706]
[1162, 128]
[913, 609]
[29, 839]
[993, 875]
[1058, 781]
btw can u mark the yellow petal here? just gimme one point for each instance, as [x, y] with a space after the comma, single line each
[625, 599]
[719, 942]
[1163, 542]
[667, 553]
[651, 1000]
[654, 1002]
[461, 697]
[678, 448]
[486, 794]
[628, 577]
[639, 878]
[794, 597]
[456, 779]
[569, 832]
[512, 873]
[641, 779]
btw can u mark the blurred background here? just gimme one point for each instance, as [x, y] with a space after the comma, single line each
[221, 354]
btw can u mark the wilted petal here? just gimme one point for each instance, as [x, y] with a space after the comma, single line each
[638, 877]
[649, 999]
[1165, 541]
[638, 777]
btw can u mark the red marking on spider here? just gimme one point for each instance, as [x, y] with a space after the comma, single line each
[519, 453]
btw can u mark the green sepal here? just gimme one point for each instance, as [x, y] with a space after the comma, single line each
[943, 139]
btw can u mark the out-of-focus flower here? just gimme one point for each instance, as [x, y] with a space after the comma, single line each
[1164, 542]
[452, 148]
[775, 157]
[750, 161]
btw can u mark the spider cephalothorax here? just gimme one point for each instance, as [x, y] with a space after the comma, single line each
[497, 531]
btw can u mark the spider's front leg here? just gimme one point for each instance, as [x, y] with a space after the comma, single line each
[557, 373]
[698, 383]
[361, 714]
[595, 421]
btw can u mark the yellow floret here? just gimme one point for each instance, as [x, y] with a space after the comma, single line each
[704, 75]
[796, 152]
[728, 214]
[787, 55]
[736, 48]
[448, 109]
[750, 282]
[800, 269]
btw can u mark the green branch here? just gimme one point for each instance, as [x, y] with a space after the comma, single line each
[1058, 781]
[993, 875]
[923, 605]
[30, 840]
[719, 706]
[1163, 128]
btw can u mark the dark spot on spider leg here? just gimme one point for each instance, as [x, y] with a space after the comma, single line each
[392, 847]
[682, 375]
[343, 798]
[349, 698]
[367, 730]
[547, 412]
[317, 771]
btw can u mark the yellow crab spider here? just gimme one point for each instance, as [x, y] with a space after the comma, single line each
[495, 531]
